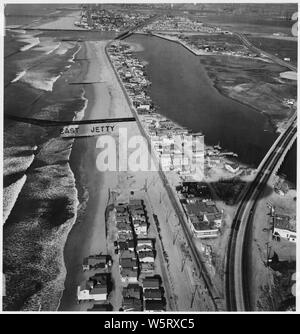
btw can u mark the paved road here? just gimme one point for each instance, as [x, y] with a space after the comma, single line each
[196, 256]
[277, 60]
[237, 269]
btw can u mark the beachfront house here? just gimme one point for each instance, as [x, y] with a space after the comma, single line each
[88, 291]
[95, 262]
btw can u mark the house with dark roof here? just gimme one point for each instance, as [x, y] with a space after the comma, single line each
[127, 254]
[95, 262]
[131, 304]
[154, 305]
[132, 291]
[101, 308]
[129, 275]
[151, 283]
[154, 294]
[123, 245]
[128, 263]
[136, 202]
[89, 290]
[131, 245]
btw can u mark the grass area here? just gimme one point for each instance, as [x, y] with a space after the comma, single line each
[253, 82]
[277, 47]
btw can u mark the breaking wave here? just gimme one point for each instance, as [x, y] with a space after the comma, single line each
[39, 80]
[18, 76]
[10, 195]
[31, 42]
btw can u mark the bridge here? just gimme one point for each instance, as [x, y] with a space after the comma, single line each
[237, 277]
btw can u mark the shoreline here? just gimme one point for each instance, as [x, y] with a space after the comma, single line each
[88, 233]
[273, 122]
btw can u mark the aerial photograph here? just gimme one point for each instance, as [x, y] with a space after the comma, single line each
[149, 157]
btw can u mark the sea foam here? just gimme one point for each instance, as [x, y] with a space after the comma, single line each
[10, 195]
[31, 42]
[18, 76]
[39, 80]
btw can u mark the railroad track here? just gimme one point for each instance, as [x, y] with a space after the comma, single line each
[237, 269]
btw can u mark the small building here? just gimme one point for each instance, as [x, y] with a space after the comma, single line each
[144, 243]
[131, 304]
[151, 283]
[140, 227]
[95, 262]
[101, 308]
[123, 227]
[136, 202]
[146, 257]
[99, 292]
[127, 254]
[129, 275]
[123, 245]
[284, 228]
[83, 291]
[203, 229]
[88, 290]
[154, 305]
[143, 248]
[132, 291]
[128, 263]
[131, 245]
[154, 294]
[147, 268]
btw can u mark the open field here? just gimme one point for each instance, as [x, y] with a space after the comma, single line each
[253, 82]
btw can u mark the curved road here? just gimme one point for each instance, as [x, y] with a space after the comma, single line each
[277, 60]
[237, 269]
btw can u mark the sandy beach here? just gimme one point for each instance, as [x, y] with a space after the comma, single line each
[88, 236]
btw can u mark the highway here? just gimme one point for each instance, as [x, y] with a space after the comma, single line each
[238, 296]
[277, 60]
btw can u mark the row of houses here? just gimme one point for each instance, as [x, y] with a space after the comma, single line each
[178, 23]
[98, 286]
[146, 297]
[131, 72]
[175, 147]
[142, 290]
[137, 253]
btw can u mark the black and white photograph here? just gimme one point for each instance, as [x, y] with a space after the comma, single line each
[149, 159]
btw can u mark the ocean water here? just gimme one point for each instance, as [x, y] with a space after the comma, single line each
[40, 196]
[182, 91]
